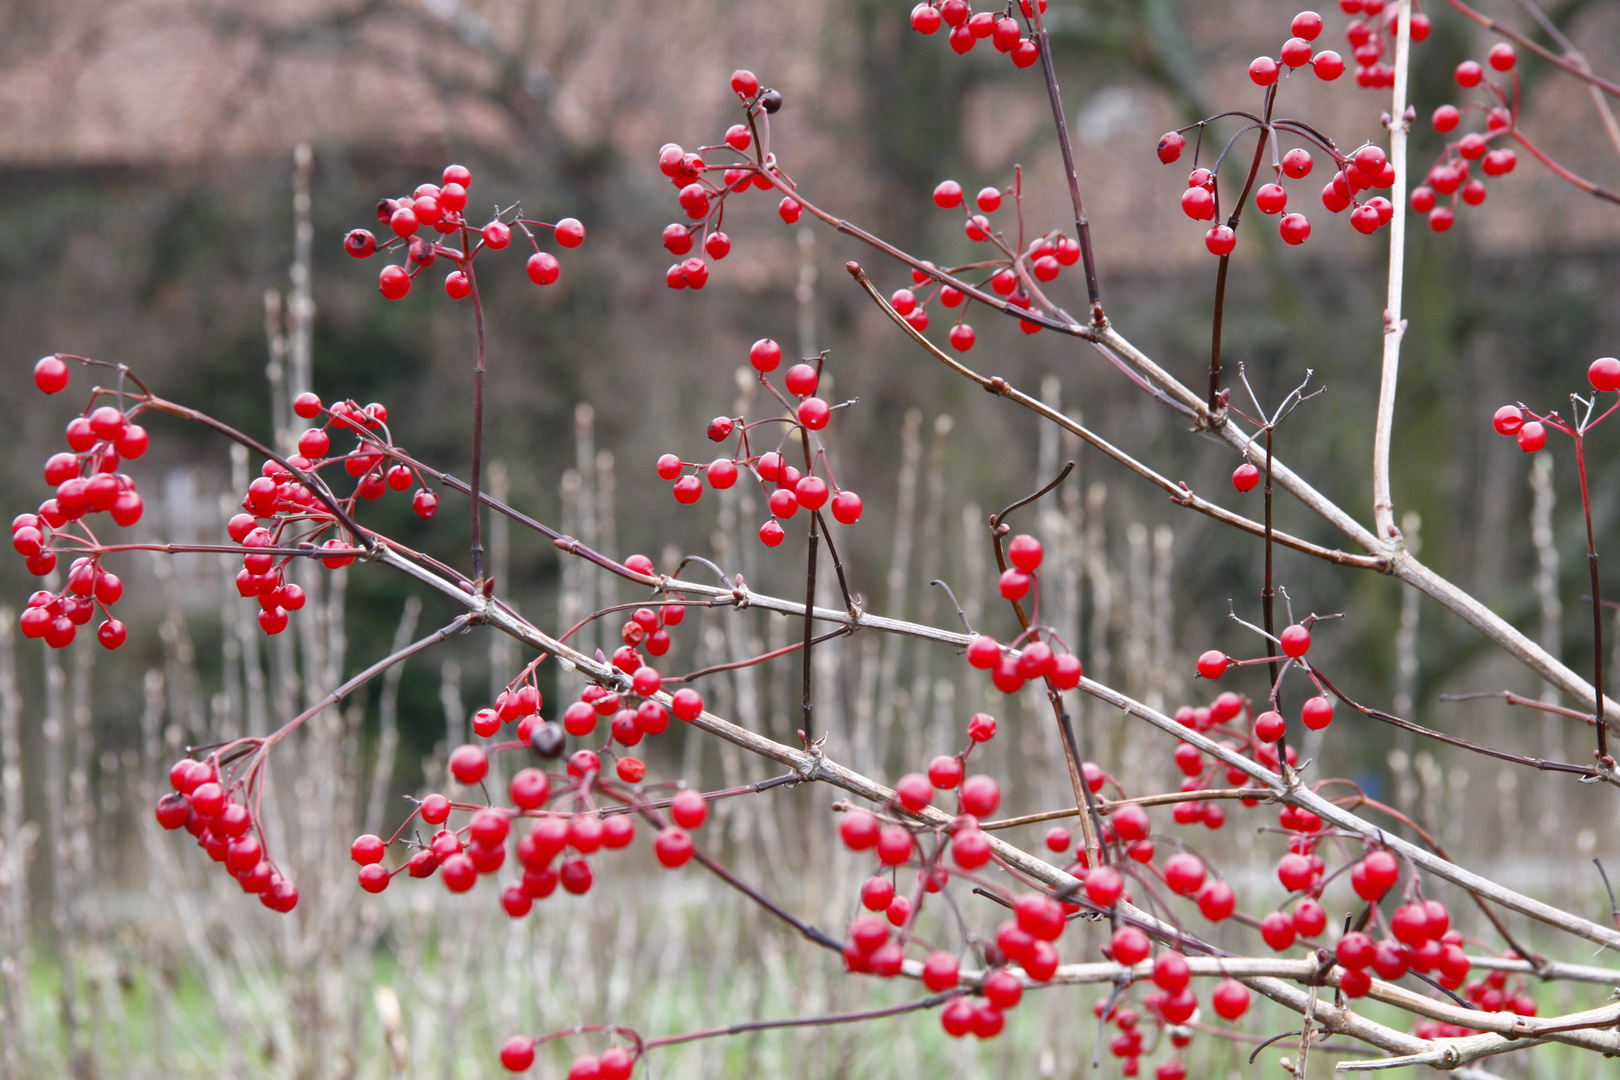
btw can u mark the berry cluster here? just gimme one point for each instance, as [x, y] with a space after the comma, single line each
[1008, 34]
[1530, 429]
[56, 617]
[1030, 655]
[1016, 273]
[785, 488]
[441, 208]
[219, 811]
[1421, 939]
[87, 482]
[615, 1063]
[876, 944]
[1452, 174]
[298, 516]
[705, 201]
[1367, 168]
[1297, 52]
[1371, 40]
[569, 824]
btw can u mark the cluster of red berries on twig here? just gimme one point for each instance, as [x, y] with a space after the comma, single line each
[1029, 656]
[297, 515]
[705, 201]
[1530, 428]
[1373, 39]
[87, 482]
[569, 823]
[786, 489]
[442, 208]
[1452, 175]
[1364, 169]
[219, 811]
[1008, 34]
[1017, 272]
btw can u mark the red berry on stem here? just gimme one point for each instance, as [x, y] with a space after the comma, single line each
[1603, 374]
[51, 374]
[1212, 664]
[1170, 146]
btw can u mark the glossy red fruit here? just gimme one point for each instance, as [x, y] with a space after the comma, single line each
[1171, 144]
[1216, 901]
[543, 269]
[468, 764]
[1604, 374]
[980, 796]
[1130, 945]
[1213, 664]
[517, 1053]
[51, 374]
[1263, 71]
[1171, 973]
[394, 282]
[1230, 999]
[1296, 641]
[1532, 437]
[1104, 886]
[1317, 712]
[1184, 873]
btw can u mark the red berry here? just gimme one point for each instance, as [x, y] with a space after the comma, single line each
[1230, 999]
[944, 772]
[982, 727]
[1296, 641]
[846, 507]
[814, 413]
[1170, 146]
[1171, 973]
[1104, 886]
[962, 337]
[980, 795]
[1216, 901]
[1198, 203]
[1603, 374]
[569, 233]
[517, 1053]
[468, 764]
[1220, 240]
[1263, 71]
[1297, 163]
[744, 82]
[1532, 436]
[1014, 584]
[983, 652]
[1502, 56]
[1130, 946]
[1469, 74]
[1317, 712]
[394, 282]
[1213, 664]
[1271, 199]
[543, 270]
[1024, 552]
[859, 830]
[51, 374]
[1184, 873]
[894, 845]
